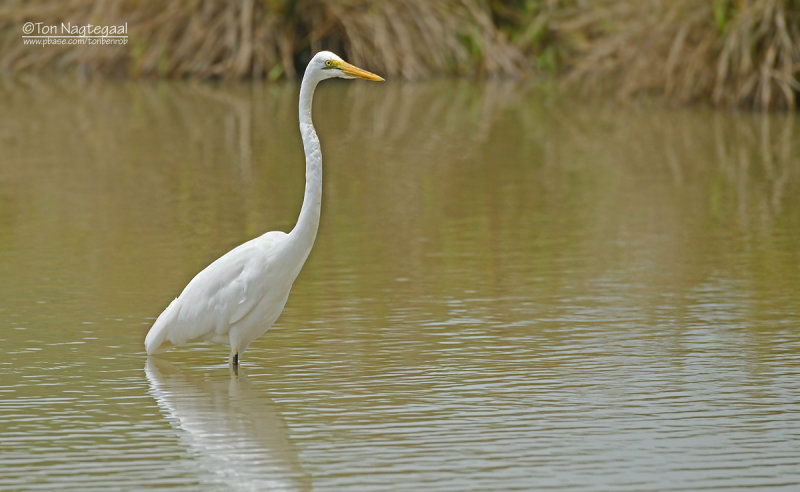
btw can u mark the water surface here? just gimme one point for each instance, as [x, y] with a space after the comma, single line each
[510, 290]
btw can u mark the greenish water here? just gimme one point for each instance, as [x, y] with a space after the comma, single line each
[509, 291]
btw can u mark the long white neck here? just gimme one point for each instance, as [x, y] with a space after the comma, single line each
[305, 231]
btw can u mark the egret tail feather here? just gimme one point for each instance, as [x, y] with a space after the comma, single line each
[156, 340]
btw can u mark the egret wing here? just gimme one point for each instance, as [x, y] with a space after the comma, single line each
[217, 297]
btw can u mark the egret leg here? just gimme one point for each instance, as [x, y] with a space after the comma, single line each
[235, 363]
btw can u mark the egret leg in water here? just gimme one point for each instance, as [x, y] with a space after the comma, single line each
[239, 296]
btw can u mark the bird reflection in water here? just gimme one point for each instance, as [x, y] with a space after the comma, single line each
[237, 436]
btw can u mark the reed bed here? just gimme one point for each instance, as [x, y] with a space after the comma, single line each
[266, 39]
[743, 53]
[729, 53]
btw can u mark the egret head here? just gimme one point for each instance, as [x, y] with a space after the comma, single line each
[327, 65]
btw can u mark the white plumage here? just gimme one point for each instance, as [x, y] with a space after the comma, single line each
[240, 295]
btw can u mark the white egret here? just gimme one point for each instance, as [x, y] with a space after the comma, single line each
[239, 296]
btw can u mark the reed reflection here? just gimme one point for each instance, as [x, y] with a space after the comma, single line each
[235, 434]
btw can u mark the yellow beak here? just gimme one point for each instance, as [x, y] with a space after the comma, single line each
[359, 72]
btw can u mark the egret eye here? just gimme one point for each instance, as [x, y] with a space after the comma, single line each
[328, 63]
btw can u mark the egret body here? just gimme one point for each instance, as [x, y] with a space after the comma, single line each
[239, 296]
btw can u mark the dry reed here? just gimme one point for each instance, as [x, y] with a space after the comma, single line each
[268, 38]
[739, 53]
[744, 53]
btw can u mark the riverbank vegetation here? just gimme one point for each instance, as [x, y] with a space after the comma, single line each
[743, 53]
